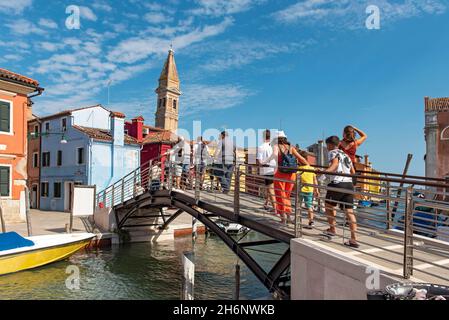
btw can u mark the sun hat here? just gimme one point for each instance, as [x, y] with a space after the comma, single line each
[281, 134]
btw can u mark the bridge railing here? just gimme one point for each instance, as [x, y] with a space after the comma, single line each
[405, 211]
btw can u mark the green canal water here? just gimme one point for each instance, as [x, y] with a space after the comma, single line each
[143, 271]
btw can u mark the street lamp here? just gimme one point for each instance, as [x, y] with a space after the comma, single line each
[34, 135]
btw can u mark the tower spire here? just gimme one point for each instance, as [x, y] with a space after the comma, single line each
[168, 95]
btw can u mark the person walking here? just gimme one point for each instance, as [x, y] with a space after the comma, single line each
[225, 155]
[309, 189]
[341, 165]
[287, 158]
[200, 158]
[265, 151]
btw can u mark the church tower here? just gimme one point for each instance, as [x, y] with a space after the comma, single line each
[168, 94]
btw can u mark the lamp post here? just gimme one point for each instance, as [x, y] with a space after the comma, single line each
[34, 135]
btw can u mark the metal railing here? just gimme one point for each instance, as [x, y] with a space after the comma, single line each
[387, 208]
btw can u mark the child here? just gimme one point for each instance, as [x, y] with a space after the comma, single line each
[308, 179]
[340, 163]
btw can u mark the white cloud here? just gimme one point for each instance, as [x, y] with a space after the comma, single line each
[200, 97]
[87, 13]
[47, 23]
[14, 6]
[139, 48]
[12, 57]
[351, 13]
[218, 8]
[24, 27]
[232, 54]
[102, 6]
[157, 17]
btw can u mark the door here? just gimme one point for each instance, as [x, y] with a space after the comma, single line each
[34, 195]
[68, 196]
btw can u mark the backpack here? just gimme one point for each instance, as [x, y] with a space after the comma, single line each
[288, 164]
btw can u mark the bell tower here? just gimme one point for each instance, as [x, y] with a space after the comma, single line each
[168, 94]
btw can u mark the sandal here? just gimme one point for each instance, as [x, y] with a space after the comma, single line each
[352, 244]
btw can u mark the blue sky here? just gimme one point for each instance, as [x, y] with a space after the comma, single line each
[309, 66]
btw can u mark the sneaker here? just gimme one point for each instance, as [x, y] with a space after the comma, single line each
[310, 225]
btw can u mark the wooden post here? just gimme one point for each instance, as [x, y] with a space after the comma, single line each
[298, 213]
[237, 282]
[27, 211]
[188, 282]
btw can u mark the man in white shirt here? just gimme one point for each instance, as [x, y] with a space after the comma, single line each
[267, 171]
[342, 168]
[200, 158]
[224, 155]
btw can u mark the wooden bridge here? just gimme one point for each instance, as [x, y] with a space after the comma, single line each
[398, 232]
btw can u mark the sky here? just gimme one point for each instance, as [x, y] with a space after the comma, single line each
[307, 67]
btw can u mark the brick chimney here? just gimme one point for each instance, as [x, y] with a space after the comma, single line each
[136, 129]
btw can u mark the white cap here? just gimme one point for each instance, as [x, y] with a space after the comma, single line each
[281, 134]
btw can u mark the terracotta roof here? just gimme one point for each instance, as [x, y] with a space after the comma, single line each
[436, 104]
[163, 136]
[118, 114]
[9, 75]
[103, 135]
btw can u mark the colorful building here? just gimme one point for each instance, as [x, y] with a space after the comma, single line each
[15, 110]
[85, 146]
[437, 137]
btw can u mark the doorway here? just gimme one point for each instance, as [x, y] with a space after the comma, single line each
[34, 197]
[68, 195]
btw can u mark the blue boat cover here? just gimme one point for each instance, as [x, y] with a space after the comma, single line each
[13, 240]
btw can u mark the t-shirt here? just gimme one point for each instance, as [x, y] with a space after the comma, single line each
[307, 178]
[344, 165]
[225, 152]
[264, 152]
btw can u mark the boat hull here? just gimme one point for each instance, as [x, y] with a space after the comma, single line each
[34, 258]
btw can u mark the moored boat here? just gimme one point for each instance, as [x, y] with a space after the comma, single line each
[26, 253]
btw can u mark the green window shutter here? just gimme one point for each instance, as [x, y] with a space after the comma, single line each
[5, 109]
[4, 181]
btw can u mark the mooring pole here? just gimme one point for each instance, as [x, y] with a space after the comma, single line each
[237, 282]
[27, 211]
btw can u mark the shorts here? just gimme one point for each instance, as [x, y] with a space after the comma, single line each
[307, 199]
[269, 180]
[345, 200]
[177, 170]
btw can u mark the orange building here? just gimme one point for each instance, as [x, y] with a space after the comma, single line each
[15, 111]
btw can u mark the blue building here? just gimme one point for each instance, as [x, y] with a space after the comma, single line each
[86, 146]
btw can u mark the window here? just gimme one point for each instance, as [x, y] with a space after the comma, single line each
[80, 156]
[174, 104]
[35, 160]
[44, 189]
[59, 158]
[164, 102]
[5, 116]
[160, 103]
[36, 130]
[64, 124]
[47, 127]
[57, 186]
[5, 181]
[45, 159]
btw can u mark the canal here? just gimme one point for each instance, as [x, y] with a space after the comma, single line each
[144, 271]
